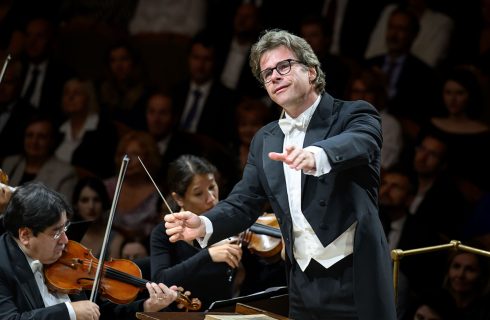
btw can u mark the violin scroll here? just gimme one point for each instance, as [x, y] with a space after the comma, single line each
[188, 303]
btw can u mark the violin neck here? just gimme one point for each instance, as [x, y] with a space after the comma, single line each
[125, 277]
[259, 228]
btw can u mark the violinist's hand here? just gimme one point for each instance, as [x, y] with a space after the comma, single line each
[296, 158]
[160, 297]
[86, 310]
[229, 253]
[5, 194]
[184, 225]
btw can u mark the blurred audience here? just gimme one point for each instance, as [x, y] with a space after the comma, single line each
[123, 90]
[137, 211]
[38, 161]
[14, 111]
[91, 204]
[370, 85]
[88, 138]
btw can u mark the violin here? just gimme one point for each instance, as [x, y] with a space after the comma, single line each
[263, 237]
[75, 270]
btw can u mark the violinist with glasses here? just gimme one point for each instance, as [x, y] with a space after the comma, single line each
[36, 219]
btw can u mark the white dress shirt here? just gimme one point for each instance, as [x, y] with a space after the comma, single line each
[70, 143]
[50, 298]
[307, 245]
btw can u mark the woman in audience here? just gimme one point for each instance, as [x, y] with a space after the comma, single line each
[88, 139]
[38, 161]
[91, 203]
[467, 282]
[137, 211]
[207, 272]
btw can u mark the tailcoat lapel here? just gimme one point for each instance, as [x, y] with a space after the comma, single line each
[274, 170]
[24, 276]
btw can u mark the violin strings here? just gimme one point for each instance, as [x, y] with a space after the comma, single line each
[119, 275]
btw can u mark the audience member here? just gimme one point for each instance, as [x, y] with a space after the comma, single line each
[133, 249]
[44, 76]
[88, 138]
[431, 43]
[161, 123]
[14, 111]
[235, 72]
[405, 231]
[314, 30]
[38, 161]
[437, 201]
[201, 98]
[408, 77]
[123, 90]
[183, 18]
[466, 280]
[370, 85]
[91, 203]
[250, 116]
[136, 213]
[461, 126]
[433, 305]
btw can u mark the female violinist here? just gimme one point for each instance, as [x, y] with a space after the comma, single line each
[36, 219]
[205, 272]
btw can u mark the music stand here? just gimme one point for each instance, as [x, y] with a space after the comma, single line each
[274, 299]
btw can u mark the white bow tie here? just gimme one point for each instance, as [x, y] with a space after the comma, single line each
[36, 265]
[288, 124]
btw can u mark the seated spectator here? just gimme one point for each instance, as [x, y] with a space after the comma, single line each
[466, 280]
[433, 40]
[136, 213]
[38, 161]
[88, 138]
[184, 18]
[123, 91]
[91, 203]
[460, 124]
[370, 85]
[14, 111]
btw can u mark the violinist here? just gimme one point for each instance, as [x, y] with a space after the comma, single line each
[205, 272]
[36, 221]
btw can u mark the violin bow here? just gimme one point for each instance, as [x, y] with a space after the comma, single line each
[156, 187]
[4, 67]
[115, 200]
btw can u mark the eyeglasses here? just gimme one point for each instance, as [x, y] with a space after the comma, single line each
[58, 233]
[282, 67]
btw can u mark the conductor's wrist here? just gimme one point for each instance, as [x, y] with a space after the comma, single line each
[205, 231]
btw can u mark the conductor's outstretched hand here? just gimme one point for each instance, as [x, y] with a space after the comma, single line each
[184, 225]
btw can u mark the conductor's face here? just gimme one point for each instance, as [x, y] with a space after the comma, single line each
[47, 246]
[288, 84]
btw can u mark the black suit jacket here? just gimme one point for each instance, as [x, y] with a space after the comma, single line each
[12, 135]
[218, 112]
[52, 88]
[350, 135]
[417, 89]
[20, 297]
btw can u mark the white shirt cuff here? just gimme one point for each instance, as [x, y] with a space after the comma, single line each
[203, 242]
[71, 311]
[321, 161]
